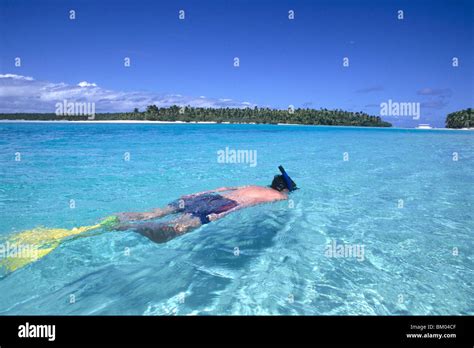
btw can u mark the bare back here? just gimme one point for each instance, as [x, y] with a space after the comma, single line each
[252, 195]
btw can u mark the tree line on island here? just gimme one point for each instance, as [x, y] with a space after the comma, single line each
[225, 115]
[460, 119]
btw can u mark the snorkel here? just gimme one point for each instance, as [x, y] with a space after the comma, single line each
[290, 184]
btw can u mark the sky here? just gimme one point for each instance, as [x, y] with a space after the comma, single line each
[283, 62]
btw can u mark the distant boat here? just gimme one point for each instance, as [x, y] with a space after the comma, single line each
[424, 126]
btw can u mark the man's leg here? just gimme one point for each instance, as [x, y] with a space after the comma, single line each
[154, 214]
[160, 232]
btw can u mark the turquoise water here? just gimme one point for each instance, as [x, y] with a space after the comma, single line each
[281, 265]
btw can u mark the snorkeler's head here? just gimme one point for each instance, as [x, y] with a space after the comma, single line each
[283, 181]
[278, 183]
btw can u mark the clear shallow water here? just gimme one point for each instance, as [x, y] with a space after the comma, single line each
[282, 267]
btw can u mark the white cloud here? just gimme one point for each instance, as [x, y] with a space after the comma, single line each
[16, 77]
[86, 84]
[25, 94]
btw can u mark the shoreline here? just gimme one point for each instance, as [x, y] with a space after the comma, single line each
[209, 122]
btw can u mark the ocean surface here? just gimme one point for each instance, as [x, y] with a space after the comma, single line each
[399, 196]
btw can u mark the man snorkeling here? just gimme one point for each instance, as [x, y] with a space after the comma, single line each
[195, 210]
[201, 208]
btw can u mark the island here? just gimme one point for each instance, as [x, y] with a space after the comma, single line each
[254, 115]
[460, 119]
